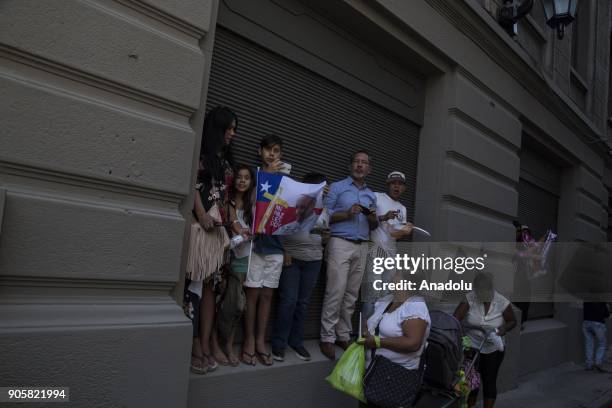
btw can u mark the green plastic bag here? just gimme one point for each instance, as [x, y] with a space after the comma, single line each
[349, 371]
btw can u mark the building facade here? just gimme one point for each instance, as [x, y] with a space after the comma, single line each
[103, 105]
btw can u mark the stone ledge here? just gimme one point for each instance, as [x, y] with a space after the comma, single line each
[293, 383]
[543, 345]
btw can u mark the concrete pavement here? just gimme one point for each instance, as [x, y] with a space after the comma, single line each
[567, 385]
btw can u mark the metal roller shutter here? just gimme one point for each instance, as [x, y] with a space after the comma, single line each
[320, 122]
[609, 215]
[538, 208]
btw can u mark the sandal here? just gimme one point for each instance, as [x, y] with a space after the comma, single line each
[233, 360]
[212, 363]
[251, 357]
[264, 358]
[224, 361]
[198, 366]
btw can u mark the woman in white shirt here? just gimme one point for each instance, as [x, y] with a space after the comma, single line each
[484, 310]
[403, 321]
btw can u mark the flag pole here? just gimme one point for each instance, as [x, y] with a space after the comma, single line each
[254, 213]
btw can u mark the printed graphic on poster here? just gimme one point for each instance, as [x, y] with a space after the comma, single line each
[285, 206]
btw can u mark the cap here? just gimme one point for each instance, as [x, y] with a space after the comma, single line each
[396, 176]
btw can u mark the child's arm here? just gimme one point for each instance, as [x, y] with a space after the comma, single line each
[233, 219]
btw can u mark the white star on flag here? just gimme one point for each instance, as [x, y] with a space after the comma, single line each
[265, 187]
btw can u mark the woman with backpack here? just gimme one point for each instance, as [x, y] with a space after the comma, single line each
[241, 218]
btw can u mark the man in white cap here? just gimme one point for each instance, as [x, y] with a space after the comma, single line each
[392, 223]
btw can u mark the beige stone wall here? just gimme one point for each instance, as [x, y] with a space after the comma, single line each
[586, 87]
[101, 111]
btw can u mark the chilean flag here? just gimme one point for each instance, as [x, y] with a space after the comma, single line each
[284, 206]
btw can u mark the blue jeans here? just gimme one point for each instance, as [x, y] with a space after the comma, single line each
[591, 331]
[295, 287]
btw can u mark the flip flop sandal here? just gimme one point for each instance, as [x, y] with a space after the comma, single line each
[212, 363]
[233, 362]
[251, 356]
[198, 366]
[221, 362]
[232, 359]
[264, 358]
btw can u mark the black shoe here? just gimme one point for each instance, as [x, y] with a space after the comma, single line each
[301, 353]
[600, 368]
[343, 344]
[278, 354]
[328, 350]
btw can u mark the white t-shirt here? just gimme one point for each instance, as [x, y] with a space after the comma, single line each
[381, 236]
[391, 326]
[490, 321]
[304, 245]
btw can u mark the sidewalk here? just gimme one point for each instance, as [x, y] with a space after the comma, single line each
[566, 385]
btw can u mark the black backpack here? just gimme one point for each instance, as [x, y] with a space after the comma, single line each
[231, 307]
[444, 353]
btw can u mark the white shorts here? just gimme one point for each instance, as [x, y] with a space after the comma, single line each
[264, 271]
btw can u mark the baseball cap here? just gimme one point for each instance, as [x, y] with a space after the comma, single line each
[396, 176]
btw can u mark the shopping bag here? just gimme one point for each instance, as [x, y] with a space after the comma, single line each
[349, 371]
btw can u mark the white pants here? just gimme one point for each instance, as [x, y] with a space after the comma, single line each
[344, 273]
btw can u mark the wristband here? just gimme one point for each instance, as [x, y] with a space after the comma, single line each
[377, 341]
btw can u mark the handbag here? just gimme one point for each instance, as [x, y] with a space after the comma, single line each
[390, 385]
[206, 248]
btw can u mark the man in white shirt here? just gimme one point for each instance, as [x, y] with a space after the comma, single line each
[392, 215]
[392, 225]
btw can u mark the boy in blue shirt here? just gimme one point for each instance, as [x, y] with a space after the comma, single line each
[264, 272]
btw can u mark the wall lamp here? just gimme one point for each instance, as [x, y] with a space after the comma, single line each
[559, 13]
[512, 11]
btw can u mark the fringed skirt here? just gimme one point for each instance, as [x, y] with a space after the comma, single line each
[206, 252]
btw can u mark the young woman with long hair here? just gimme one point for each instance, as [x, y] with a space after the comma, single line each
[209, 239]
